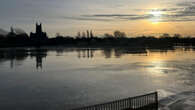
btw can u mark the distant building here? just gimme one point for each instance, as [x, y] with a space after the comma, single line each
[39, 34]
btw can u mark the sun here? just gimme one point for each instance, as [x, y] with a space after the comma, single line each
[155, 16]
[156, 13]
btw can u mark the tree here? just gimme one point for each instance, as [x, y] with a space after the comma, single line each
[58, 35]
[91, 34]
[118, 34]
[83, 35]
[87, 34]
[177, 36]
[79, 35]
[165, 35]
[106, 35]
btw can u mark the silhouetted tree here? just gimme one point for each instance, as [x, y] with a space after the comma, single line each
[118, 34]
[58, 35]
[79, 35]
[91, 34]
[83, 35]
[165, 35]
[87, 34]
[106, 35]
[177, 35]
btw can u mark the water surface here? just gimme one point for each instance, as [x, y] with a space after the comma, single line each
[63, 78]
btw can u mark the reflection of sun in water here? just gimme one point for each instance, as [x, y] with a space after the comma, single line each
[156, 16]
[157, 65]
[156, 68]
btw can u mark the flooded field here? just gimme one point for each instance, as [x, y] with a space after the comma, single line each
[64, 78]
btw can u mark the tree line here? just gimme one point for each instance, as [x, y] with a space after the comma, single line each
[88, 39]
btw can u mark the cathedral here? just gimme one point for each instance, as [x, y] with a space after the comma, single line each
[39, 34]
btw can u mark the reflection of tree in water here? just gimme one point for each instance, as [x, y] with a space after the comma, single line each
[59, 51]
[17, 56]
[118, 52]
[85, 53]
[13, 55]
[107, 52]
[133, 51]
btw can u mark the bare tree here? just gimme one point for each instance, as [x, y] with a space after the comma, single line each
[107, 35]
[118, 34]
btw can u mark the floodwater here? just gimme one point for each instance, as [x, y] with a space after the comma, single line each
[57, 78]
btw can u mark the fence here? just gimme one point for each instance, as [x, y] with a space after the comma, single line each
[144, 102]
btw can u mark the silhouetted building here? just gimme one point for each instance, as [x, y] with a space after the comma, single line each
[39, 35]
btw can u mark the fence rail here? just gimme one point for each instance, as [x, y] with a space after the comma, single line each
[143, 102]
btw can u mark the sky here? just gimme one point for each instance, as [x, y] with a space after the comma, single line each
[67, 17]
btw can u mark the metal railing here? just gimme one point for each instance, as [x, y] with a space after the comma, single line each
[143, 102]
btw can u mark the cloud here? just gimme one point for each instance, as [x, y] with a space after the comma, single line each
[19, 31]
[16, 30]
[3, 32]
[110, 15]
[185, 12]
[140, 17]
[182, 12]
[120, 16]
[178, 20]
[162, 9]
[185, 4]
[82, 18]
